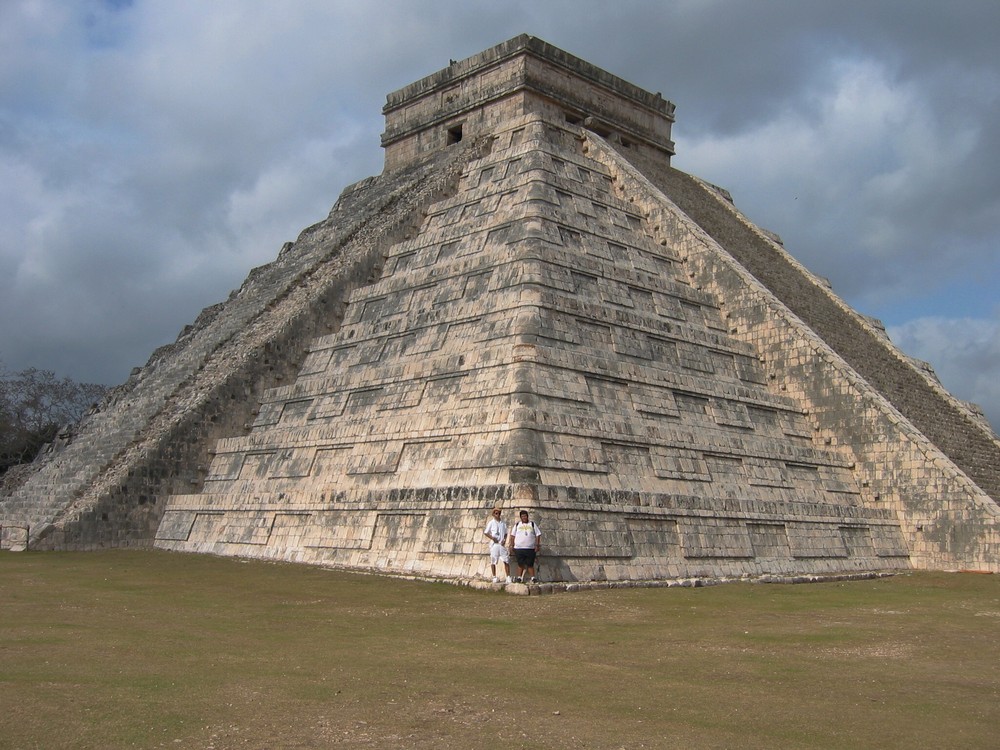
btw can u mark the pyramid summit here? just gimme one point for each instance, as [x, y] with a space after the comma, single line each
[531, 308]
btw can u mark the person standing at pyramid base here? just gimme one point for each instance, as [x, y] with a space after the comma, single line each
[526, 540]
[496, 531]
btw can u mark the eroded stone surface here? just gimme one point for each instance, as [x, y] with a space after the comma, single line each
[531, 308]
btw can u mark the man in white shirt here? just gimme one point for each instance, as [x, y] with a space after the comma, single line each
[496, 532]
[525, 538]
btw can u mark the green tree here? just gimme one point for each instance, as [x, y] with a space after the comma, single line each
[34, 405]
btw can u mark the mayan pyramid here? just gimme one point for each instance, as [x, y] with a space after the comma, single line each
[530, 308]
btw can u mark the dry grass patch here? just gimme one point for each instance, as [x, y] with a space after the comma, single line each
[151, 649]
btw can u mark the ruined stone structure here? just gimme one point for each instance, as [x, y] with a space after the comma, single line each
[530, 307]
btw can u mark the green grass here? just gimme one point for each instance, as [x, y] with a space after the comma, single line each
[151, 649]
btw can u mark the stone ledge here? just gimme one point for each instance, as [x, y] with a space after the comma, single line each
[559, 587]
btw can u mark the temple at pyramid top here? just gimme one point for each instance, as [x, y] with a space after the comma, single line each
[529, 308]
[524, 75]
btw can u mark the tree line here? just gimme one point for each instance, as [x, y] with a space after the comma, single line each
[34, 406]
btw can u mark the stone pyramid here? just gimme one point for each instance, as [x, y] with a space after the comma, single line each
[531, 308]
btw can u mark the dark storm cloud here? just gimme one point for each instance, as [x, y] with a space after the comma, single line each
[152, 152]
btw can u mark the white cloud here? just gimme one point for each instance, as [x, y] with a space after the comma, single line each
[852, 177]
[298, 186]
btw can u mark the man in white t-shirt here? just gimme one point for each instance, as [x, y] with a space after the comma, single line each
[526, 540]
[496, 532]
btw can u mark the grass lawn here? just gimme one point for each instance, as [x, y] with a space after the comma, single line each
[152, 649]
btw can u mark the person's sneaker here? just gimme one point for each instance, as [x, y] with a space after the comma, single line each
[495, 579]
[534, 580]
[508, 579]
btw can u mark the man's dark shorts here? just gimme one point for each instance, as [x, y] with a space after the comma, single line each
[525, 557]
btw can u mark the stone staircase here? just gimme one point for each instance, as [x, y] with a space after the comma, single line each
[946, 421]
[153, 434]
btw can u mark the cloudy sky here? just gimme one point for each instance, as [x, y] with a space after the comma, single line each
[153, 151]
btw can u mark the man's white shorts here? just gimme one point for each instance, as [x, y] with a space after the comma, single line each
[498, 553]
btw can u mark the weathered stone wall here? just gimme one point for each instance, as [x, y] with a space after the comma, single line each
[542, 317]
[535, 343]
[153, 436]
[947, 422]
[871, 403]
[521, 76]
